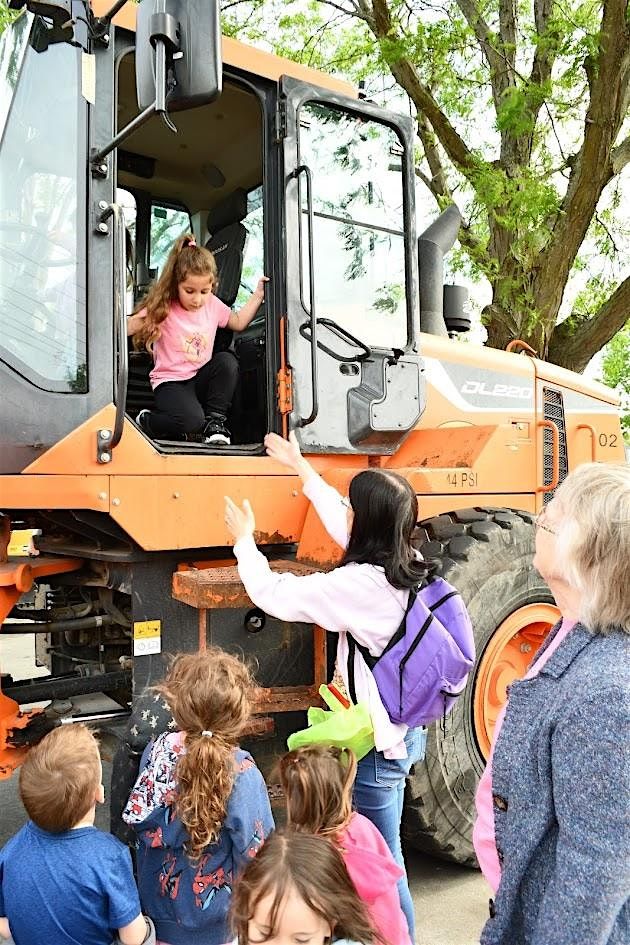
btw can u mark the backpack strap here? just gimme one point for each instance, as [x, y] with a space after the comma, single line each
[371, 661]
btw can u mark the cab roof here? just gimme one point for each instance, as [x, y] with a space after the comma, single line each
[244, 57]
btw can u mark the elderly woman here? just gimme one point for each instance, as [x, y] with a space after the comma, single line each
[553, 830]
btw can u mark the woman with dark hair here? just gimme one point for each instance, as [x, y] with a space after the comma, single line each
[367, 596]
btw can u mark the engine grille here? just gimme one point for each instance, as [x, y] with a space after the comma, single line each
[553, 409]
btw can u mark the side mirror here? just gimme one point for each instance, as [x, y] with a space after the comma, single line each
[191, 32]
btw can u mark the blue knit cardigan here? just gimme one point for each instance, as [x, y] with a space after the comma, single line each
[561, 797]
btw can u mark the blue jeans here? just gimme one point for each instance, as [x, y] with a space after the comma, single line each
[379, 792]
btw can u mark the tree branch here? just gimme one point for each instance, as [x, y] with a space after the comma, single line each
[620, 156]
[592, 167]
[407, 77]
[577, 339]
[355, 11]
[544, 58]
[507, 31]
[439, 181]
[501, 76]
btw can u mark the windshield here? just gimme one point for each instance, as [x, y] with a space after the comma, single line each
[42, 180]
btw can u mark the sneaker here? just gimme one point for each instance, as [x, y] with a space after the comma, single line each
[215, 432]
[143, 421]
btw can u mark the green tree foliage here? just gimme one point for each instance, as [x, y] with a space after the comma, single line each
[616, 372]
[522, 120]
[6, 15]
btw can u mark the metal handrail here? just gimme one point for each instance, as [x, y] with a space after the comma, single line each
[120, 322]
[306, 171]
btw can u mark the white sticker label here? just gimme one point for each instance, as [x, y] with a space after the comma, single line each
[147, 637]
[88, 77]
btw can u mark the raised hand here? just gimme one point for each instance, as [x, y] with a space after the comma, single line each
[240, 521]
[286, 452]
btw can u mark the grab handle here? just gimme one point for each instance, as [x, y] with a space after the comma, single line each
[312, 322]
[591, 430]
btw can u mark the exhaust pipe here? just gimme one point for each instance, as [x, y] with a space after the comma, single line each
[436, 240]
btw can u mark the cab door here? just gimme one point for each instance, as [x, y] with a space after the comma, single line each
[352, 316]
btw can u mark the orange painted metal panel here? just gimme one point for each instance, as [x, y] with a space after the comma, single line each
[55, 492]
[136, 456]
[188, 511]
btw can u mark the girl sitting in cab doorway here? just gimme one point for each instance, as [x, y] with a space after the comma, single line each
[177, 323]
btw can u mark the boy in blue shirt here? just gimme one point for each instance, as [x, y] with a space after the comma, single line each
[62, 881]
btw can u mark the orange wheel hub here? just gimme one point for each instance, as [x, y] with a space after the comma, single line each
[506, 658]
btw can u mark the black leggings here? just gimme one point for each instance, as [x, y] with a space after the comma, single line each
[182, 406]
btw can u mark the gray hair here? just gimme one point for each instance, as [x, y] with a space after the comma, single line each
[593, 542]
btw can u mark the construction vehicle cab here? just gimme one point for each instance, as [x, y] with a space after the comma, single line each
[274, 174]
[281, 170]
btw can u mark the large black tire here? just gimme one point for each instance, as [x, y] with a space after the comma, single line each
[487, 555]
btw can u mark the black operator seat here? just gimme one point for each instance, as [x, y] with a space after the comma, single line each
[227, 244]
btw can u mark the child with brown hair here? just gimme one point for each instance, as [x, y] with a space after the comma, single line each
[177, 323]
[297, 890]
[61, 880]
[200, 805]
[318, 782]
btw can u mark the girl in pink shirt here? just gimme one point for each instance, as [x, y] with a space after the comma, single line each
[317, 783]
[177, 323]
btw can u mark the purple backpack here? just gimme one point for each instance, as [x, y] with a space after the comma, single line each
[425, 665]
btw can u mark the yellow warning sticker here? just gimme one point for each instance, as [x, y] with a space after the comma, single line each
[147, 637]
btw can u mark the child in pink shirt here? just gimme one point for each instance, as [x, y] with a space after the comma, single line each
[317, 783]
[177, 323]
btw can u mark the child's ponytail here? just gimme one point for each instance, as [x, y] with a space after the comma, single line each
[205, 775]
[209, 695]
[184, 259]
[317, 783]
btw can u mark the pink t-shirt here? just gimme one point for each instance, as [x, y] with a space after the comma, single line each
[186, 341]
[483, 831]
[375, 875]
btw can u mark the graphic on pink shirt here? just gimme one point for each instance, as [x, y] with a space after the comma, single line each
[194, 346]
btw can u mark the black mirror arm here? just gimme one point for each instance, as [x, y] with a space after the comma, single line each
[163, 42]
[101, 24]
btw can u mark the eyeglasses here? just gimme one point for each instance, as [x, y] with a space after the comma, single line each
[539, 523]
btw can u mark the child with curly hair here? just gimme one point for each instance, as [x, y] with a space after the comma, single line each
[200, 805]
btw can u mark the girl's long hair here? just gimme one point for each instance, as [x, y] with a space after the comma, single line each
[385, 514]
[317, 782]
[210, 692]
[184, 259]
[314, 868]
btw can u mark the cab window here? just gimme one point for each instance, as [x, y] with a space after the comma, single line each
[42, 253]
[358, 238]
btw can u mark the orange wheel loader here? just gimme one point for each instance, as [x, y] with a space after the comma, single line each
[120, 129]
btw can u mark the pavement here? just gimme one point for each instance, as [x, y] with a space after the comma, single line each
[450, 902]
